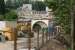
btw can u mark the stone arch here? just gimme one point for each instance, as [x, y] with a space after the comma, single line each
[42, 23]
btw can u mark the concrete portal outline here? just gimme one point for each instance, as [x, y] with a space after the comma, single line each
[41, 21]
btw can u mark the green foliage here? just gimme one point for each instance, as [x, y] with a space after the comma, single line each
[61, 10]
[69, 49]
[39, 6]
[53, 5]
[11, 15]
[11, 4]
[16, 3]
[1, 17]
[2, 7]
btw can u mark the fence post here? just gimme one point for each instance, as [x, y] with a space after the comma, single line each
[15, 39]
[46, 36]
[29, 40]
[38, 40]
[42, 37]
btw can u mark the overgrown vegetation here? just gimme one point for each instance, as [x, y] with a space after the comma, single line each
[38, 6]
[7, 11]
[61, 11]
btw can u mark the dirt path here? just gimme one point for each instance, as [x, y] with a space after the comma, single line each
[53, 46]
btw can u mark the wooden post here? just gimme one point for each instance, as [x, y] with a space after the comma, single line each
[49, 35]
[73, 28]
[42, 37]
[46, 37]
[29, 37]
[38, 40]
[15, 39]
[29, 40]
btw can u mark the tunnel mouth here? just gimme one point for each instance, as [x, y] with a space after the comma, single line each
[39, 25]
[36, 27]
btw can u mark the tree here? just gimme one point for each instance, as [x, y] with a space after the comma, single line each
[38, 6]
[11, 15]
[11, 4]
[51, 4]
[2, 8]
[61, 9]
[73, 23]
